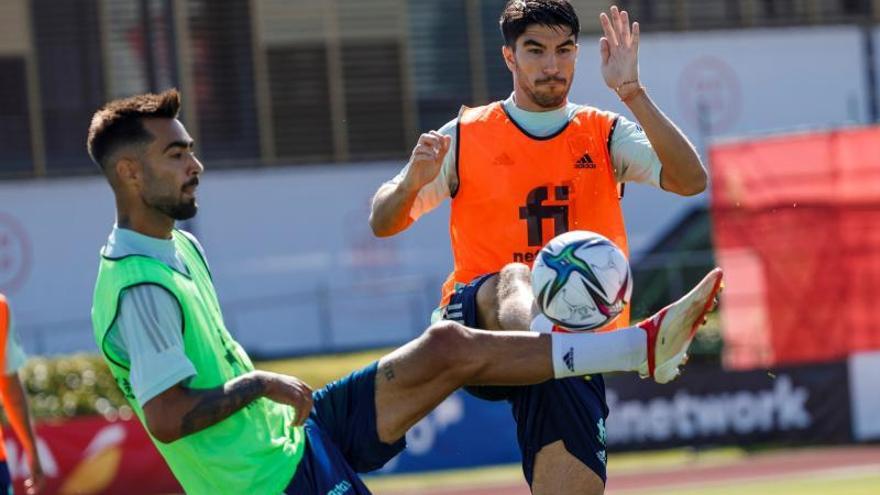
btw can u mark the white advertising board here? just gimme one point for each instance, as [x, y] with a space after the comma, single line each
[294, 260]
[864, 391]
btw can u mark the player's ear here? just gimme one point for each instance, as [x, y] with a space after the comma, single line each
[127, 170]
[509, 56]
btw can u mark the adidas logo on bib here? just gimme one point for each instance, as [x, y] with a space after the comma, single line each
[585, 162]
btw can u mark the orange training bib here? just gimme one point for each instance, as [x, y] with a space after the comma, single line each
[517, 191]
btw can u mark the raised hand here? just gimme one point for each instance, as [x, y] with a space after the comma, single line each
[620, 52]
[426, 159]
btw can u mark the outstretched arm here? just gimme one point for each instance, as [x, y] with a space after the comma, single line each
[682, 172]
[181, 411]
[15, 405]
[393, 201]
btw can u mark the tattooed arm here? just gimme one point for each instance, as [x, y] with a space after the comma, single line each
[180, 411]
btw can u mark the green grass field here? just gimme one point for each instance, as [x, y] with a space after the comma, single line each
[317, 371]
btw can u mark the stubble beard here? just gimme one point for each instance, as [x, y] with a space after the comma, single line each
[177, 210]
[545, 99]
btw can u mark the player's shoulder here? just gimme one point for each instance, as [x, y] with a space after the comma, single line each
[588, 111]
[450, 128]
[490, 111]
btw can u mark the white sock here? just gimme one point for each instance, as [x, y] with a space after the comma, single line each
[578, 354]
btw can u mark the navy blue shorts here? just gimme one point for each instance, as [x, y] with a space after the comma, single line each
[342, 439]
[5, 479]
[572, 409]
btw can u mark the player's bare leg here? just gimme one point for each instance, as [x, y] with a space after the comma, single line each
[557, 472]
[504, 301]
[412, 381]
[508, 303]
[415, 378]
[455, 355]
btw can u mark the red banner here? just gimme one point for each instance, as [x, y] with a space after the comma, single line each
[90, 456]
[796, 224]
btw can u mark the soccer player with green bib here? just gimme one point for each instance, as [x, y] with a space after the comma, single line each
[222, 426]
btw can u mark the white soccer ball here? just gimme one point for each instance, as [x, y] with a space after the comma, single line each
[581, 280]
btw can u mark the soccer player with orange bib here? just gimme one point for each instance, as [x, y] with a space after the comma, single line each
[12, 358]
[517, 173]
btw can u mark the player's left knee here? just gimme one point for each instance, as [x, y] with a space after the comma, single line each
[514, 280]
[453, 344]
[515, 272]
[448, 338]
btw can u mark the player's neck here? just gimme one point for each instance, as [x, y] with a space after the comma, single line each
[145, 221]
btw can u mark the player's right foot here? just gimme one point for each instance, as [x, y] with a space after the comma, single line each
[671, 330]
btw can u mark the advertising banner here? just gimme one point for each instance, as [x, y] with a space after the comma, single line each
[90, 456]
[708, 407]
[794, 221]
[705, 407]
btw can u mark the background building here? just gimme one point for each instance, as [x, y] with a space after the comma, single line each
[300, 109]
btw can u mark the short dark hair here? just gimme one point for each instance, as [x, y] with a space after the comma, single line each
[119, 123]
[518, 15]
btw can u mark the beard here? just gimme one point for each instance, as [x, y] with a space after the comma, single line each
[543, 96]
[179, 211]
[172, 205]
